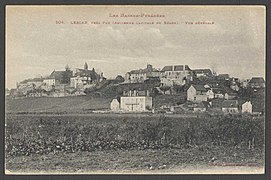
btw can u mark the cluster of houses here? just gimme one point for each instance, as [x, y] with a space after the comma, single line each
[199, 97]
[169, 75]
[205, 90]
[59, 83]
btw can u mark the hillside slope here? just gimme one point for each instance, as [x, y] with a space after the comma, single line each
[68, 104]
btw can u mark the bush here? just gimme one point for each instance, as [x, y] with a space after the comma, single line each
[26, 135]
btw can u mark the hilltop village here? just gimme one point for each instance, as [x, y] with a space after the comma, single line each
[171, 89]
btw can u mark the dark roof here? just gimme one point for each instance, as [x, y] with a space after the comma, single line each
[218, 90]
[199, 87]
[176, 68]
[199, 105]
[203, 104]
[140, 71]
[56, 74]
[258, 105]
[187, 68]
[230, 104]
[224, 76]
[32, 80]
[257, 80]
[204, 71]
[84, 72]
[217, 103]
[167, 68]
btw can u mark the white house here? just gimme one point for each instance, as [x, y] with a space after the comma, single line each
[197, 93]
[79, 82]
[210, 94]
[136, 101]
[115, 105]
[247, 107]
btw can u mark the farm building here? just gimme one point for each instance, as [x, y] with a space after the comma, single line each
[197, 93]
[200, 107]
[137, 101]
[115, 105]
[247, 107]
[216, 104]
[230, 106]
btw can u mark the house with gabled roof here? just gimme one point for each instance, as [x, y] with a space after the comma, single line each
[140, 75]
[230, 106]
[175, 75]
[201, 106]
[247, 107]
[115, 105]
[197, 93]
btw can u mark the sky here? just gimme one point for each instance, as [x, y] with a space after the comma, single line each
[36, 45]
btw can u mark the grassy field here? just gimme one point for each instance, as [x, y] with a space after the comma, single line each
[62, 104]
[132, 144]
[190, 160]
[79, 104]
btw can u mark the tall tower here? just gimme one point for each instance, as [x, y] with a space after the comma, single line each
[86, 66]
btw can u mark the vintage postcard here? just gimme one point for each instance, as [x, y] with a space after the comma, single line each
[135, 89]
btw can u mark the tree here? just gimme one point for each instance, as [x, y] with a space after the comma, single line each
[119, 79]
[165, 88]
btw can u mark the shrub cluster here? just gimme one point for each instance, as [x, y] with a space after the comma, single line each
[26, 135]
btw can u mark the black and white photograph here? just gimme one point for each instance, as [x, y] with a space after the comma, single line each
[135, 89]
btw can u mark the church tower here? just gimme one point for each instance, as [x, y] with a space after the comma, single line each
[86, 66]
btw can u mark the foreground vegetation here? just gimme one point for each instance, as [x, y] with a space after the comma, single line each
[200, 139]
